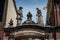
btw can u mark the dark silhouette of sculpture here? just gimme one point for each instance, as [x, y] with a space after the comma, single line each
[38, 11]
[40, 19]
[29, 16]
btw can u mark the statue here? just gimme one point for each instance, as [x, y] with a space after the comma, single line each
[20, 11]
[38, 12]
[40, 19]
[19, 16]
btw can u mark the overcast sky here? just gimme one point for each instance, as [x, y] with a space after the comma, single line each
[31, 5]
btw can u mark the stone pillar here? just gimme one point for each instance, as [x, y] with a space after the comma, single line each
[11, 23]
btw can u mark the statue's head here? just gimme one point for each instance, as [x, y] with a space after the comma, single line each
[20, 8]
[37, 8]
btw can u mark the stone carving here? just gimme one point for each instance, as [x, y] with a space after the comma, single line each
[38, 12]
[40, 19]
[11, 22]
[29, 19]
[29, 16]
[19, 16]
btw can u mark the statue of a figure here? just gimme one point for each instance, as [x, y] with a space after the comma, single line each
[20, 11]
[19, 16]
[38, 11]
[40, 19]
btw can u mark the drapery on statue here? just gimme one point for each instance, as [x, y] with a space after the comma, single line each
[38, 11]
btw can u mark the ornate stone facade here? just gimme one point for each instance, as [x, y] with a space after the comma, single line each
[30, 29]
[40, 17]
[19, 16]
[53, 17]
[53, 13]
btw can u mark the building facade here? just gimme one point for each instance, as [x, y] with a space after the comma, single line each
[53, 13]
[53, 17]
[10, 14]
[11, 28]
[3, 10]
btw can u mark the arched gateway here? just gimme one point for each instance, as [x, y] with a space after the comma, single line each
[28, 33]
[29, 30]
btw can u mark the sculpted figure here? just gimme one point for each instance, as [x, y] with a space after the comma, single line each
[38, 11]
[40, 19]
